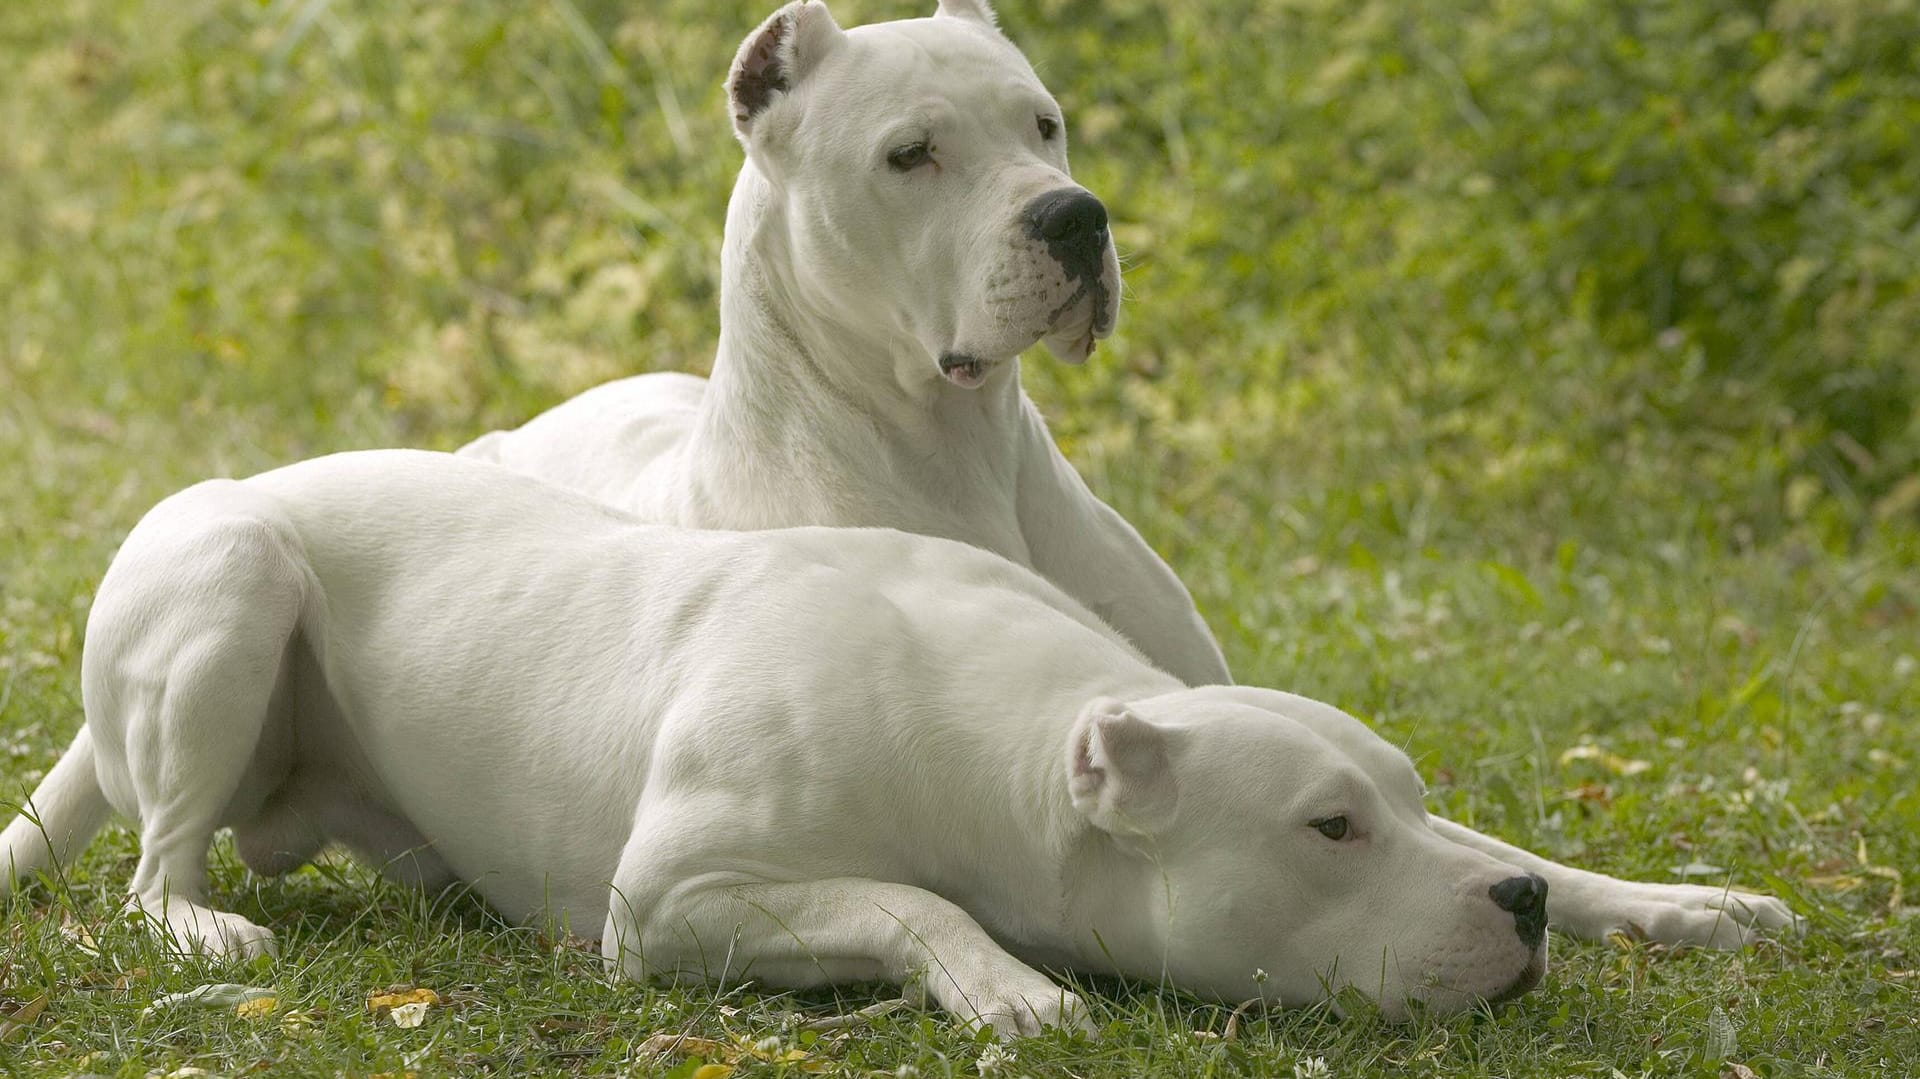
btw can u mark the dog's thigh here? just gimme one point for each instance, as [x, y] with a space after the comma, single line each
[186, 653]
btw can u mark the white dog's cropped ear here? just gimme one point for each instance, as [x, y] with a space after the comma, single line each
[977, 10]
[1118, 772]
[774, 58]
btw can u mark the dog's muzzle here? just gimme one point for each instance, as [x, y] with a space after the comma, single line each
[1072, 225]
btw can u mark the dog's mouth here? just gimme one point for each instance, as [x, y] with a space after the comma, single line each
[1530, 976]
[1076, 326]
[964, 371]
[1073, 341]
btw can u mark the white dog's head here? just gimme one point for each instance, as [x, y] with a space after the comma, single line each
[1290, 856]
[920, 169]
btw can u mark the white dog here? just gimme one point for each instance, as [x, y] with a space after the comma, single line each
[903, 228]
[802, 756]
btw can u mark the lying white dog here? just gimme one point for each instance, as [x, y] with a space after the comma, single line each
[903, 228]
[801, 756]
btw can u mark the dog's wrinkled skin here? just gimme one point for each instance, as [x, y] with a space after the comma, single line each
[802, 756]
[903, 227]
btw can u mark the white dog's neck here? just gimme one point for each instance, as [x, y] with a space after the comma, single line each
[795, 425]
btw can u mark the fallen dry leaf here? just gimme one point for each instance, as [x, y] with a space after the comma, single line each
[1612, 762]
[382, 1003]
[216, 995]
[1592, 792]
[21, 1018]
[257, 1007]
[870, 1012]
[727, 1054]
[81, 936]
[685, 1045]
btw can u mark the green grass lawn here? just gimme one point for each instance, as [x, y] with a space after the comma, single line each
[1536, 381]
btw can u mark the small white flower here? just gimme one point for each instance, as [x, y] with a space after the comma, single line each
[994, 1058]
[409, 1015]
[1259, 976]
[1312, 1068]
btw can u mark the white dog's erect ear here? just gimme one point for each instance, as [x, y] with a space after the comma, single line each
[774, 58]
[977, 10]
[1118, 772]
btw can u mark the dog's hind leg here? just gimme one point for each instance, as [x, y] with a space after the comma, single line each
[185, 648]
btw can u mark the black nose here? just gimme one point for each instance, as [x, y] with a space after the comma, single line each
[1071, 221]
[1525, 897]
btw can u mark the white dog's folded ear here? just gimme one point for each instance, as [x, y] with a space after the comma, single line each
[977, 10]
[1118, 772]
[774, 58]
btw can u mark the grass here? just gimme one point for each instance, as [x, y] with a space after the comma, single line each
[1495, 412]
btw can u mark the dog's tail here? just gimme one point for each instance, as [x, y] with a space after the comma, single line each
[63, 813]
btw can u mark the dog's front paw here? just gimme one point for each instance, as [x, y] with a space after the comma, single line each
[1017, 1002]
[1024, 1014]
[196, 930]
[1701, 915]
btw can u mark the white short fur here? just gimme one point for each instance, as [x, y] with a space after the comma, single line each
[843, 284]
[802, 756]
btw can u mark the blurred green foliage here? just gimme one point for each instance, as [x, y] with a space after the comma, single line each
[1676, 241]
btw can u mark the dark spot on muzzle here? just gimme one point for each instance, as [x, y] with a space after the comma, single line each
[1525, 897]
[1073, 225]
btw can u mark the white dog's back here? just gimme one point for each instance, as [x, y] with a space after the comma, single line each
[615, 443]
[344, 572]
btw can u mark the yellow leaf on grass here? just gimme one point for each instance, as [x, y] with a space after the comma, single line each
[257, 1007]
[382, 1003]
[1612, 762]
[713, 1071]
[727, 1054]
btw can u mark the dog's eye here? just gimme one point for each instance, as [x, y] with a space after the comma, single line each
[1334, 828]
[1048, 126]
[909, 157]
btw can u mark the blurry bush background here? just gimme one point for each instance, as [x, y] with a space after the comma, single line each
[1571, 257]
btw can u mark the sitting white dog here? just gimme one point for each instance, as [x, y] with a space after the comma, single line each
[903, 228]
[802, 756]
